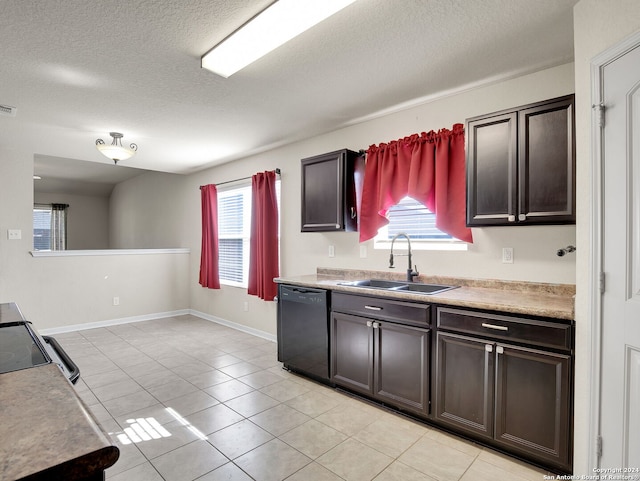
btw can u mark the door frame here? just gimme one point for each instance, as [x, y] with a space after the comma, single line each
[596, 230]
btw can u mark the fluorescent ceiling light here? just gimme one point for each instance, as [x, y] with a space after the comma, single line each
[274, 26]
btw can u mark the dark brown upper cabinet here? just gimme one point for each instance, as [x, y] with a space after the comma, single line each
[329, 192]
[521, 165]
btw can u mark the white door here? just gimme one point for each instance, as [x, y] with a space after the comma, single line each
[620, 378]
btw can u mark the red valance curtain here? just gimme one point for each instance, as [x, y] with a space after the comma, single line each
[263, 255]
[430, 168]
[209, 272]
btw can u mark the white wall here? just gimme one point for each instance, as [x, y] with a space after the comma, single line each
[64, 291]
[598, 25]
[302, 253]
[87, 219]
[16, 212]
[148, 212]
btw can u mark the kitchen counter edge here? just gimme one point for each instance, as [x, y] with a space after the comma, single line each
[514, 301]
[47, 432]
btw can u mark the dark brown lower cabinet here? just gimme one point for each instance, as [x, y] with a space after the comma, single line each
[515, 397]
[384, 360]
[352, 352]
[464, 377]
[533, 403]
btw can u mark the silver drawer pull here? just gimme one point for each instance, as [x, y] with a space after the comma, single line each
[493, 326]
[373, 308]
[369, 323]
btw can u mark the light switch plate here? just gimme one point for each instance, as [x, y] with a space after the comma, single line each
[332, 251]
[14, 234]
[507, 255]
[363, 252]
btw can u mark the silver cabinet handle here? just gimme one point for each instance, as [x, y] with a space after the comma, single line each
[522, 217]
[511, 218]
[499, 349]
[376, 325]
[488, 347]
[369, 324]
[493, 326]
[373, 308]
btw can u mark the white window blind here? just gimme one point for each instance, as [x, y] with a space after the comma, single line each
[234, 233]
[234, 228]
[49, 227]
[414, 219]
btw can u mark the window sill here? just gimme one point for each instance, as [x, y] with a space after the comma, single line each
[224, 282]
[422, 246]
[109, 252]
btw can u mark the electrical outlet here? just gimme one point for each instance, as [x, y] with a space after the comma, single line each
[245, 306]
[116, 301]
[507, 255]
[363, 252]
[332, 251]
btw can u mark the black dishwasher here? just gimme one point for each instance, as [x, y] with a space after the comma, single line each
[303, 330]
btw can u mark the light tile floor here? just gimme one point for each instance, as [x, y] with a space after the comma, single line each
[221, 407]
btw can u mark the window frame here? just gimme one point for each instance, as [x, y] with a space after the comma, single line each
[51, 207]
[245, 189]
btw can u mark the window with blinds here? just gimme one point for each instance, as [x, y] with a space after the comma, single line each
[50, 227]
[414, 219]
[234, 224]
[234, 232]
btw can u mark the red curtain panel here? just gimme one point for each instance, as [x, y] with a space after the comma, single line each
[209, 272]
[430, 168]
[263, 256]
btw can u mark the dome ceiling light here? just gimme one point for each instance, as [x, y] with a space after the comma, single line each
[116, 151]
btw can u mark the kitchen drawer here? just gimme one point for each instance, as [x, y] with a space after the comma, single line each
[382, 308]
[514, 329]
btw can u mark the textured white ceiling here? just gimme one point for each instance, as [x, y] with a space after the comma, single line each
[78, 69]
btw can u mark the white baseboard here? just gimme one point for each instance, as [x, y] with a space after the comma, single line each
[111, 322]
[158, 315]
[235, 325]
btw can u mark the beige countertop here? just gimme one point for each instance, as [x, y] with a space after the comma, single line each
[46, 432]
[516, 297]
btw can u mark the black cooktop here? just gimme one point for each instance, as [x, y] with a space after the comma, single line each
[19, 348]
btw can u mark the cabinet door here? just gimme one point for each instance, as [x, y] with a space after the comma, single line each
[328, 192]
[533, 403]
[547, 163]
[401, 373]
[352, 352]
[492, 169]
[464, 383]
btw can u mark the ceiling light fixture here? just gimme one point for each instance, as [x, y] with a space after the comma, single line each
[115, 151]
[277, 24]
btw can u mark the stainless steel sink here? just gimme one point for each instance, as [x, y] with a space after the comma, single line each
[426, 288]
[384, 285]
[374, 284]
